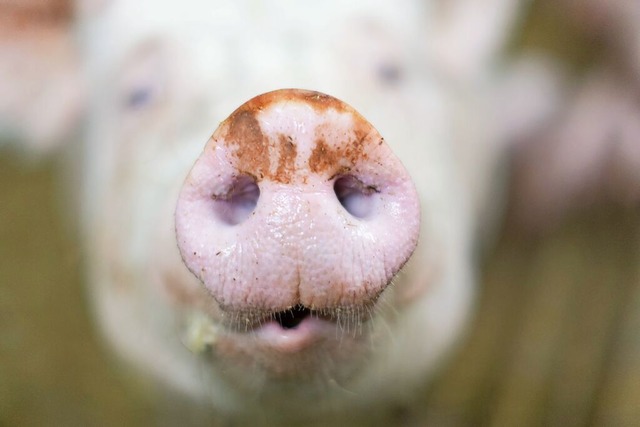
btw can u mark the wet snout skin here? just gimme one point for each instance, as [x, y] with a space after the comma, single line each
[296, 217]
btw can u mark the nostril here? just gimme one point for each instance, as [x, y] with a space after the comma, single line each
[234, 206]
[357, 198]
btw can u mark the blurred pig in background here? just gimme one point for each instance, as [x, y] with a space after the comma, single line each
[588, 153]
[39, 75]
[159, 79]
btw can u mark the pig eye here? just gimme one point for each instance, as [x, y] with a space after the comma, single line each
[389, 73]
[144, 92]
[239, 202]
[356, 197]
[144, 77]
[140, 97]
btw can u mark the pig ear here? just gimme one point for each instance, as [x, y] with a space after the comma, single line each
[40, 85]
[468, 34]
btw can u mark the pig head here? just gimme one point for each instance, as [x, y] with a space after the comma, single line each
[279, 290]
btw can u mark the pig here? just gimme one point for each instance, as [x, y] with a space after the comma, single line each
[340, 326]
[38, 110]
[587, 152]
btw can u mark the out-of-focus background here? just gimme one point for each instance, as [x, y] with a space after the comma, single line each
[555, 339]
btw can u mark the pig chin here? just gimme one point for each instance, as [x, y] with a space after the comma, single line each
[295, 218]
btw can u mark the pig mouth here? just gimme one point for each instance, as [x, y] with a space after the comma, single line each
[346, 318]
[291, 319]
[298, 330]
[293, 344]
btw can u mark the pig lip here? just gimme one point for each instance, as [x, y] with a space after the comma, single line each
[290, 319]
[297, 329]
[295, 335]
[249, 320]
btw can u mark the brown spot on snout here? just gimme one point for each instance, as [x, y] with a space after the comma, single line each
[344, 155]
[252, 150]
[287, 159]
[322, 157]
[266, 155]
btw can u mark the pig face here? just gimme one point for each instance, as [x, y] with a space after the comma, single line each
[329, 325]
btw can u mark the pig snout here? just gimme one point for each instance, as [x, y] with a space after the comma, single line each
[296, 213]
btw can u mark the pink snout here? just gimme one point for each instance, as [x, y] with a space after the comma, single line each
[296, 206]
